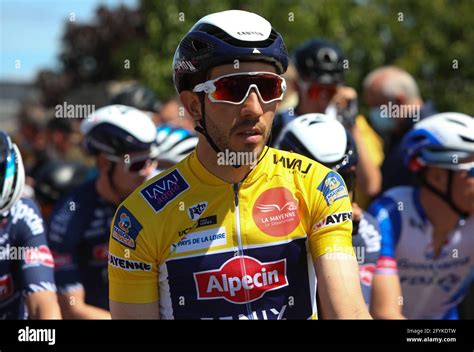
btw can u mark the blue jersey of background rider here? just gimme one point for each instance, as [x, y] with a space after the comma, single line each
[26, 263]
[78, 235]
[366, 240]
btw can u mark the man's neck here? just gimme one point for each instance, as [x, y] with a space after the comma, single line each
[439, 213]
[228, 173]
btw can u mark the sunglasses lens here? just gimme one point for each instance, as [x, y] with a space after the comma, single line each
[139, 165]
[234, 88]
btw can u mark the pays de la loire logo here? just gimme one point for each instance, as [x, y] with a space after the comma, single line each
[275, 212]
[332, 183]
[241, 280]
[124, 222]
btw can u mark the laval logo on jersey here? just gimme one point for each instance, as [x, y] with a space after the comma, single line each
[229, 282]
[164, 190]
[275, 212]
[196, 210]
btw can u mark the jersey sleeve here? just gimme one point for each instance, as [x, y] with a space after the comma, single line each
[132, 262]
[332, 220]
[64, 238]
[36, 262]
[386, 213]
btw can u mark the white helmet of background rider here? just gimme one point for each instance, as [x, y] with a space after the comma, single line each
[321, 138]
[12, 173]
[118, 130]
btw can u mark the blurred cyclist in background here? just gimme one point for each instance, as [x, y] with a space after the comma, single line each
[169, 112]
[320, 67]
[325, 140]
[55, 179]
[426, 261]
[27, 288]
[123, 141]
[174, 144]
[395, 105]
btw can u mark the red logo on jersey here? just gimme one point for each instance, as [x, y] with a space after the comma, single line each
[236, 286]
[276, 212]
[6, 286]
[366, 273]
[39, 255]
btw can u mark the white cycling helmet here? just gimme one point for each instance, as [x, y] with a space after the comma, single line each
[321, 138]
[12, 173]
[174, 143]
[441, 139]
[118, 130]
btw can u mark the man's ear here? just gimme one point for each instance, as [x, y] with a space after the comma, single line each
[191, 103]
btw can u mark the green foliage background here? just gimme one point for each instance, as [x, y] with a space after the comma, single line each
[431, 39]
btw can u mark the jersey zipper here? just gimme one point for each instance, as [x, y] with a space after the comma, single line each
[236, 187]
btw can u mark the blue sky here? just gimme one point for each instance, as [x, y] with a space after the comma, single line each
[31, 30]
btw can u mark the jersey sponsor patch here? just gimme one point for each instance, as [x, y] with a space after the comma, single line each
[159, 193]
[333, 219]
[196, 210]
[229, 282]
[39, 256]
[127, 264]
[126, 228]
[366, 274]
[6, 286]
[275, 212]
[201, 240]
[332, 188]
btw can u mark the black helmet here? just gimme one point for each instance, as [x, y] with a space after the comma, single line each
[56, 178]
[139, 97]
[321, 61]
[222, 38]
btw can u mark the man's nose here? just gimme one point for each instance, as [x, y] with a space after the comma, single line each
[252, 106]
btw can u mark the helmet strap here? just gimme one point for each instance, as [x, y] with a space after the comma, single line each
[447, 196]
[202, 129]
[110, 176]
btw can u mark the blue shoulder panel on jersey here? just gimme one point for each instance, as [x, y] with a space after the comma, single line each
[332, 187]
[385, 210]
[126, 228]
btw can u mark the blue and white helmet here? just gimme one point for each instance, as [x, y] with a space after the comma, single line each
[174, 144]
[12, 173]
[441, 139]
[222, 38]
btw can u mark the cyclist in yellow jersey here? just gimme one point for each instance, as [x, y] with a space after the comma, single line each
[237, 230]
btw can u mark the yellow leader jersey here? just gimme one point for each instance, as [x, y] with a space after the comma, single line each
[207, 249]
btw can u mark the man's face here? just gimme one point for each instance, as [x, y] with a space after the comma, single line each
[315, 97]
[462, 187]
[245, 127]
[126, 180]
[463, 190]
